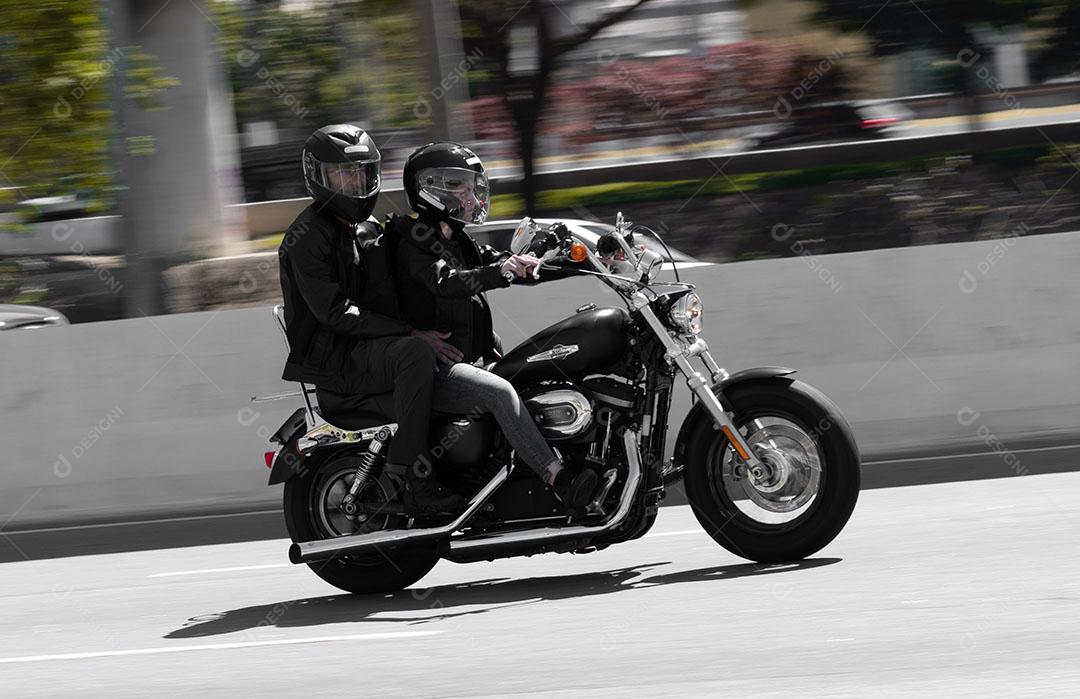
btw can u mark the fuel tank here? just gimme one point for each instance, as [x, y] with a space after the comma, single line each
[586, 342]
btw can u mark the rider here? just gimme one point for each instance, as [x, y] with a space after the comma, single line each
[442, 274]
[341, 314]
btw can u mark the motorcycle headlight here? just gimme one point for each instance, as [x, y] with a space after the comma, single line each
[687, 313]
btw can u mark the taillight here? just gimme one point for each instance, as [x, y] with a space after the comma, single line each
[269, 456]
[871, 123]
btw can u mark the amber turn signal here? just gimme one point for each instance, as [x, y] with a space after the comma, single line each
[578, 252]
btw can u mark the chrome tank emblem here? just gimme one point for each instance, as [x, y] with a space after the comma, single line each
[556, 352]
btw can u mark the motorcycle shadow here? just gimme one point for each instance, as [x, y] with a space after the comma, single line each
[490, 594]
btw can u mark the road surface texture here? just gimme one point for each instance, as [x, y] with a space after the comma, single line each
[959, 589]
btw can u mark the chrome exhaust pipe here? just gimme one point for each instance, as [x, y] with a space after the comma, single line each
[468, 550]
[328, 548]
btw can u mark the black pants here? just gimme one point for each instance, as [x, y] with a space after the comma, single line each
[406, 366]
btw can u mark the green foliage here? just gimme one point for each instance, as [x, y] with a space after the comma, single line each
[953, 25]
[54, 90]
[306, 66]
[944, 24]
[511, 205]
[56, 64]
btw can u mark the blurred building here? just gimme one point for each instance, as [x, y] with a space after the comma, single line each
[657, 29]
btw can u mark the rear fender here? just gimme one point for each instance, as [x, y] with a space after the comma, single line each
[288, 461]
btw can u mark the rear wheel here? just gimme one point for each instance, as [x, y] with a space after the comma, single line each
[312, 511]
[806, 488]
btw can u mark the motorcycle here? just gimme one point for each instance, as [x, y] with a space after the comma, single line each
[770, 466]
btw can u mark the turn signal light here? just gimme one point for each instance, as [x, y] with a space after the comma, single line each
[578, 252]
[269, 456]
[735, 443]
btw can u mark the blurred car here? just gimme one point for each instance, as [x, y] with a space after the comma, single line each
[19, 317]
[497, 234]
[837, 121]
[80, 289]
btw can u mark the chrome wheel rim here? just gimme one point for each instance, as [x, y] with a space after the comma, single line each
[789, 478]
[330, 493]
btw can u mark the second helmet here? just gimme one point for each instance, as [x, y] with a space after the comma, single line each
[342, 170]
[447, 181]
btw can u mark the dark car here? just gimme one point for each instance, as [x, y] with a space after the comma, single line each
[836, 121]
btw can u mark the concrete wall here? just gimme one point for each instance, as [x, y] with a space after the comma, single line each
[925, 349]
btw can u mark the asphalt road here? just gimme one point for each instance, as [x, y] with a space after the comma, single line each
[964, 588]
[128, 533]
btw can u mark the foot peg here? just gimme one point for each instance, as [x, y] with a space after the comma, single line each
[596, 507]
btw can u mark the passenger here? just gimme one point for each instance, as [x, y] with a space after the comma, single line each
[342, 319]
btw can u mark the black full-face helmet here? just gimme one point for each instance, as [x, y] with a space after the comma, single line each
[342, 170]
[446, 181]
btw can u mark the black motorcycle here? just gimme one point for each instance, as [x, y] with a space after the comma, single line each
[770, 466]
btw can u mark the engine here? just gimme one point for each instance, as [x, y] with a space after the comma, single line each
[567, 411]
[560, 413]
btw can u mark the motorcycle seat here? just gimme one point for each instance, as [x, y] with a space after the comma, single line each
[360, 411]
[355, 411]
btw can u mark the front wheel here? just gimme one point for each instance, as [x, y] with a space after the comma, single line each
[312, 511]
[808, 483]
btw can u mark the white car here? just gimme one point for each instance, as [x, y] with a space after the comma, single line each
[19, 317]
[497, 234]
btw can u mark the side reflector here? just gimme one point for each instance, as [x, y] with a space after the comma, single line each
[578, 252]
[735, 443]
[269, 456]
[871, 123]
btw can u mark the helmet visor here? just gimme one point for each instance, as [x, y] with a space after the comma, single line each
[355, 179]
[463, 193]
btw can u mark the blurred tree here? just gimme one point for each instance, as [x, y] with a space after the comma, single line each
[302, 66]
[949, 26]
[1059, 54]
[55, 65]
[285, 65]
[644, 97]
[525, 80]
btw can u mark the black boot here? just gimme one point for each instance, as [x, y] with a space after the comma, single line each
[576, 490]
[425, 497]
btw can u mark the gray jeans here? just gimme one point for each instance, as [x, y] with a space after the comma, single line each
[463, 388]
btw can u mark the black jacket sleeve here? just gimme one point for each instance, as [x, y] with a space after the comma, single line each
[315, 270]
[441, 279]
[489, 255]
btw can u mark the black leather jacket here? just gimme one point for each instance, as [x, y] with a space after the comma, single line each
[441, 283]
[337, 289]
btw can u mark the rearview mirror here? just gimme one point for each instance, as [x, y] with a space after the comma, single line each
[523, 236]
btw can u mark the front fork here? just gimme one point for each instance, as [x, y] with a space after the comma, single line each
[679, 355]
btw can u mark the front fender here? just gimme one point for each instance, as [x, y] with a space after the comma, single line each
[754, 374]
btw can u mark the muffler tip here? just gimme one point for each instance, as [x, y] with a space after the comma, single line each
[294, 554]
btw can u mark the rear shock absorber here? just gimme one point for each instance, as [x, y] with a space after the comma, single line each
[370, 463]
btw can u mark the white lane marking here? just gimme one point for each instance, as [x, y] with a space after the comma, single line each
[218, 646]
[914, 601]
[685, 532]
[666, 266]
[838, 640]
[221, 570]
[969, 456]
[192, 518]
